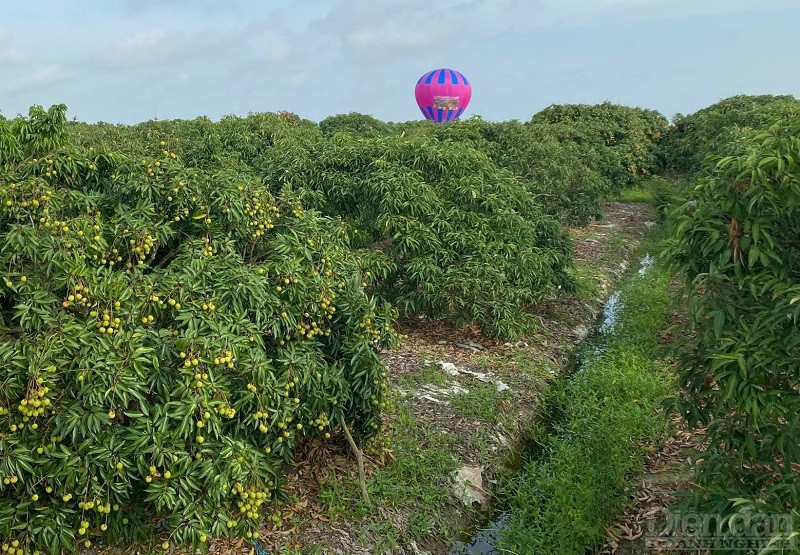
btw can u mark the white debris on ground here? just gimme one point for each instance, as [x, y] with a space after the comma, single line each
[435, 394]
[454, 370]
[478, 375]
[501, 386]
[516, 345]
[471, 345]
[581, 332]
[501, 439]
[468, 486]
[449, 367]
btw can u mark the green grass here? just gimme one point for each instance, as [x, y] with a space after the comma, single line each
[421, 454]
[415, 484]
[616, 250]
[562, 501]
[341, 496]
[586, 278]
[415, 480]
[427, 375]
[517, 363]
[482, 401]
[636, 194]
[655, 190]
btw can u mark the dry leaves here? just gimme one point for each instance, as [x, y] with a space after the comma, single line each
[667, 471]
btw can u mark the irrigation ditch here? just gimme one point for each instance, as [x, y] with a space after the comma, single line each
[617, 348]
[470, 414]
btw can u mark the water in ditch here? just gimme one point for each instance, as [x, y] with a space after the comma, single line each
[486, 535]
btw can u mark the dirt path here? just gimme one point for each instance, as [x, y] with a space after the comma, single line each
[463, 405]
[669, 471]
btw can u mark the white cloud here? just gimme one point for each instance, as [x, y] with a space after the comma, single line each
[386, 30]
[473, 19]
[142, 5]
[278, 52]
[9, 55]
[46, 76]
[39, 79]
[319, 57]
[143, 40]
[583, 12]
[298, 79]
[369, 39]
[143, 48]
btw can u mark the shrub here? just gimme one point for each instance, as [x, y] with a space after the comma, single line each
[451, 235]
[736, 243]
[667, 194]
[620, 141]
[555, 172]
[708, 131]
[166, 336]
[200, 143]
[360, 125]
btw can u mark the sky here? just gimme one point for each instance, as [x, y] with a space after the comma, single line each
[126, 61]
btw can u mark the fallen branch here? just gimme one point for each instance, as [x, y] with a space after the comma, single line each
[362, 479]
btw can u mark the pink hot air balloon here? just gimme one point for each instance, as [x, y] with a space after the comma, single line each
[442, 94]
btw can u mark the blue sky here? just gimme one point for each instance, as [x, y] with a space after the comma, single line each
[125, 61]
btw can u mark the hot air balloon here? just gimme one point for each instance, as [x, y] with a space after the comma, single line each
[442, 94]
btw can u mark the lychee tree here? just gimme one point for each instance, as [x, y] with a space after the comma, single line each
[449, 234]
[736, 244]
[619, 142]
[167, 335]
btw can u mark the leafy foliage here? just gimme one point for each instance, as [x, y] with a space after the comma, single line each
[667, 194]
[556, 173]
[341, 177]
[737, 243]
[200, 143]
[617, 141]
[708, 131]
[571, 157]
[167, 335]
[451, 235]
[360, 125]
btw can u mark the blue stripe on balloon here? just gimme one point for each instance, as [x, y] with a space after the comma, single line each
[429, 78]
[441, 76]
[458, 113]
[420, 79]
[439, 114]
[464, 79]
[422, 109]
[453, 77]
[430, 112]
